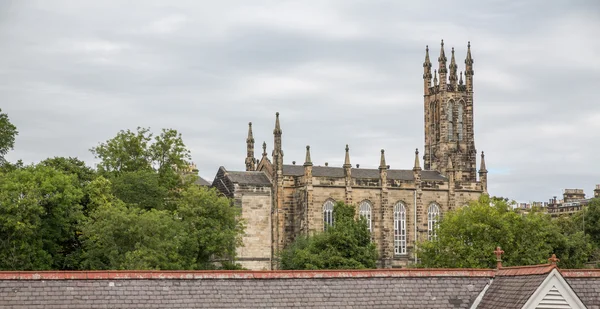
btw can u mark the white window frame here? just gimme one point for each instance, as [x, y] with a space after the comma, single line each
[399, 229]
[328, 214]
[433, 215]
[365, 211]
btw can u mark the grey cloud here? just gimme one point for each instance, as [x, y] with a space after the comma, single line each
[74, 73]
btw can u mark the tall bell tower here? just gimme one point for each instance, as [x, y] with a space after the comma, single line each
[449, 117]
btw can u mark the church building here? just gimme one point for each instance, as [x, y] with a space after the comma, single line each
[280, 201]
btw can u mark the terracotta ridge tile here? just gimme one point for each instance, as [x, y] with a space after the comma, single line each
[280, 274]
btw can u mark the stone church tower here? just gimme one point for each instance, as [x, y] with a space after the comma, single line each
[280, 202]
[449, 117]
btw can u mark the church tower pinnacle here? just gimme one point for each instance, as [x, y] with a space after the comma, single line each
[449, 120]
[426, 71]
[250, 161]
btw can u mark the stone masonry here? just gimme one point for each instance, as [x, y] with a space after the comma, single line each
[299, 193]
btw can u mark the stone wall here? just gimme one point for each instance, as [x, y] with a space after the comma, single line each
[255, 202]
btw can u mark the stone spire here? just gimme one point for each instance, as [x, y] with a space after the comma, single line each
[347, 159]
[460, 81]
[277, 129]
[264, 146]
[469, 69]
[453, 67]
[435, 80]
[483, 174]
[417, 166]
[442, 70]
[307, 160]
[277, 151]
[482, 168]
[250, 149]
[427, 71]
[382, 164]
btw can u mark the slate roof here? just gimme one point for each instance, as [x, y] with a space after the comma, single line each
[383, 288]
[343, 289]
[248, 178]
[586, 284]
[202, 182]
[338, 172]
[513, 286]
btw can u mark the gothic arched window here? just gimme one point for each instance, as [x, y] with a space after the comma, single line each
[459, 126]
[433, 214]
[365, 211]
[399, 228]
[450, 118]
[327, 214]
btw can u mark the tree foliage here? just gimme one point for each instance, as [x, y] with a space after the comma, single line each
[132, 151]
[39, 213]
[139, 210]
[202, 229]
[467, 237]
[345, 245]
[8, 132]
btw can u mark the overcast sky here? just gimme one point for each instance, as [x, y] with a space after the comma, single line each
[74, 73]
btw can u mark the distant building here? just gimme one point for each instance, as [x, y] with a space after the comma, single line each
[573, 201]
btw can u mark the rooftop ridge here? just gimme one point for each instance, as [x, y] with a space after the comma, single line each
[580, 273]
[526, 270]
[237, 274]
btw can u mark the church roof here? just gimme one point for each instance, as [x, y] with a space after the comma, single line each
[202, 182]
[338, 172]
[248, 178]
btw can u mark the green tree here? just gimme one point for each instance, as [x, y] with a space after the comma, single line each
[71, 166]
[140, 188]
[213, 225]
[345, 245]
[467, 237]
[145, 171]
[39, 213]
[126, 152]
[203, 229]
[119, 237]
[135, 151]
[8, 132]
[590, 219]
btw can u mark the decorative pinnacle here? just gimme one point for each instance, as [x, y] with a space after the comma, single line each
[442, 53]
[482, 168]
[553, 259]
[264, 149]
[277, 130]
[450, 166]
[417, 163]
[307, 160]
[435, 80]
[347, 159]
[427, 62]
[427, 65]
[460, 82]
[498, 253]
[469, 59]
[453, 67]
[250, 138]
[382, 164]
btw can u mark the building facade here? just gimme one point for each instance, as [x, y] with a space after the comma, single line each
[281, 201]
[573, 201]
